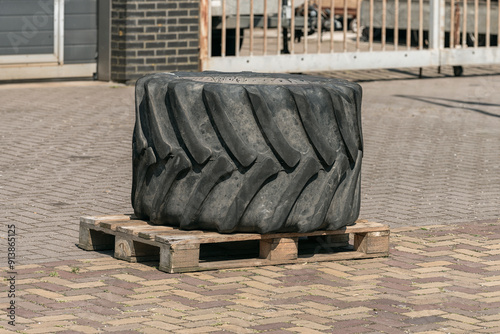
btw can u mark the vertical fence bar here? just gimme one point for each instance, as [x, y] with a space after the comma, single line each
[384, 27]
[345, 25]
[223, 30]
[464, 26]
[332, 23]
[452, 24]
[396, 24]
[437, 25]
[251, 27]
[358, 27]
[204, 33]
[408, 25]
[488, 22]
[476, 23]
[498, 25]
[278, 38]
[421, 25]
[209, 27]
[370, 32]
[320, 22]
[456, 37]
[306, 23]
[265, 27]
[440, 7]
[237, 28]
[292, 29]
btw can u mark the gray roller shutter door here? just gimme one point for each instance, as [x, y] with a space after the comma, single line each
[80, 31]
[27, 27]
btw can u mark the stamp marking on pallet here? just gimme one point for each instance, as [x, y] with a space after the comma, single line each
[178, 250]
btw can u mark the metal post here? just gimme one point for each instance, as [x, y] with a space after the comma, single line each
[436, 29]
[452, 24]
[464, 26]
[251, 27]
[396, 24]
[332, 24]
[345, 25]
[384, 24]
[204, 33]
[421, 24]
[370, 33]
[320, 10]
[476, 23]
[292, 29]
[408, 24]
[237, 53]
[358, 23]
[488, 21]
[306, 21]
[224, 32]
[280, 14]
[265, 27]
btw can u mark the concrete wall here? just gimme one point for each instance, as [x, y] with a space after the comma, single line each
[153, 36]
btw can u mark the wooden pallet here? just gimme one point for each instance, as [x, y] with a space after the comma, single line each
[179, 250]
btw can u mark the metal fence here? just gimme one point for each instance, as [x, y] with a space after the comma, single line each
[320, 35]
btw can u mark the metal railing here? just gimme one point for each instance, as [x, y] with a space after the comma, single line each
[319, 35]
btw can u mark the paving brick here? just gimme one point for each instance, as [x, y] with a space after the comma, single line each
[235, 329]
[44, 330]
[162, 325]
[55, 318]
[128, 278]
[204, 329]
[424, 313]
[272, 326]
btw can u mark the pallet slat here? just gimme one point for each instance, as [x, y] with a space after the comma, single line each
[113, 225]
[206, 238]
[179, 251]
[137, 228]
[98, 219]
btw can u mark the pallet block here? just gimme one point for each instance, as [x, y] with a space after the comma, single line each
[177, 250]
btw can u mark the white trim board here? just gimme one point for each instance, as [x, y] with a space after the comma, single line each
[12, 72]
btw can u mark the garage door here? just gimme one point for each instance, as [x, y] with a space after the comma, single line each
[47, 38]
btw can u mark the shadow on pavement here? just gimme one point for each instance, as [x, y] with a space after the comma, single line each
[442, 102]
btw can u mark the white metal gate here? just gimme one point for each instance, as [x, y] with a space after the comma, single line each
[274, 36]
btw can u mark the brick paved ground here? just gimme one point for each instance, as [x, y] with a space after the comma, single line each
[431, 157]
[431, 154]
[438, 279]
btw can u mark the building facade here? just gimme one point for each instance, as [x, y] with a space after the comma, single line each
[118, 40]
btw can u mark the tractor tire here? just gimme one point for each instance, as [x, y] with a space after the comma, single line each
[247, 152]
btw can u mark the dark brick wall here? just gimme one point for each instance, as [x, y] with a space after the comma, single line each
[153, 36]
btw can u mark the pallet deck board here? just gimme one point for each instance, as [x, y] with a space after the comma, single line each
[136, 229]
[114, 225]
[179, 250]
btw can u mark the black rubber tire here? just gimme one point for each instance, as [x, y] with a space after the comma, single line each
[247, 152]
[458, 71]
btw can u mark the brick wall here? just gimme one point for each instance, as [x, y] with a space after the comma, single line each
[153, 36]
